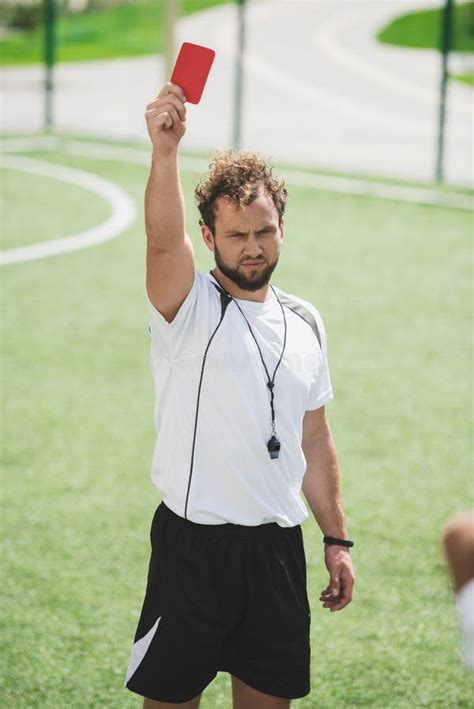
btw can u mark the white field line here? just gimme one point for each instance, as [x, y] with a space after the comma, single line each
[330, 183]
[380, 190]
[122, 205]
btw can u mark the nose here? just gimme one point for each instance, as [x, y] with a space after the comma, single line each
[253, 249]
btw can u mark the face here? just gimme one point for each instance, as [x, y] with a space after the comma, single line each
[247, 241]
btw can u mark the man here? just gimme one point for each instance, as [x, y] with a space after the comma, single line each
[241, 379]
[457, 542]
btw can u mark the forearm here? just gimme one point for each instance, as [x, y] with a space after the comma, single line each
[321, 484]
[164, 203]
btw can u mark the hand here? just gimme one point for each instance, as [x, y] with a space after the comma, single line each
[338, 593]
[166, 119]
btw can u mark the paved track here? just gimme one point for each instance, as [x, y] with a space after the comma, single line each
[319, 90]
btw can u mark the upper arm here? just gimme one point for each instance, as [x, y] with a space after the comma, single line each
[314, 423]
[169, 276]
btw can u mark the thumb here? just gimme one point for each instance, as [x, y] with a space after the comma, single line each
[165, 120]
[335, 586]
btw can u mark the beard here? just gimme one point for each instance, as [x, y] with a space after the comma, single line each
[251, 282]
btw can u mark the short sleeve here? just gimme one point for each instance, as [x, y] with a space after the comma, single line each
[321, 389]
[162, 331]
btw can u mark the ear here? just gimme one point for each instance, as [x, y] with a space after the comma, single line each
[207, 237]
[282, 227]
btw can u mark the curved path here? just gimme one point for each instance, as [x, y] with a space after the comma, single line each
[319, 90]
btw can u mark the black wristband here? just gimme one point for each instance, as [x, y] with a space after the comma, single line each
[341, 542]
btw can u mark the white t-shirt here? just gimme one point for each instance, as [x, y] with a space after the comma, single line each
[211, 464]
[465, 606]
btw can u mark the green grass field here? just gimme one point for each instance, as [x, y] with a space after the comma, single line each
[126, 30]
[465, 78]
[423, 29]
[392, 282]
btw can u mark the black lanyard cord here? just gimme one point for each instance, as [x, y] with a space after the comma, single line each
[273, 445]
[270, 382]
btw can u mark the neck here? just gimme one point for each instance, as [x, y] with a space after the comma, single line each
[258, 296]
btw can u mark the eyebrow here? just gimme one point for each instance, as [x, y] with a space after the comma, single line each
[269, 227]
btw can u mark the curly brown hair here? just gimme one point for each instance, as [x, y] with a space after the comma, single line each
[241, 176]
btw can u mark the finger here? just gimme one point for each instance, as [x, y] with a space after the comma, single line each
[170, 88]
[170, 99]
[334, 584]
[170, 110]
[173, 114]
[164, 120]
[159, 107]
[345, 600]
[332, 605]
[345, 597]
[170, 115]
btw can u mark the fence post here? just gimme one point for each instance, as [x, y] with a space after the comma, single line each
[49, 16]
[239, 76]
[171, 11]
[446, 38]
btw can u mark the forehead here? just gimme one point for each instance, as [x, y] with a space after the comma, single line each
[262, 209]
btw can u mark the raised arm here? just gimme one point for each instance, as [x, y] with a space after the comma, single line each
[170, 266]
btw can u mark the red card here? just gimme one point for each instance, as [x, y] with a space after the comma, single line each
[192, 69]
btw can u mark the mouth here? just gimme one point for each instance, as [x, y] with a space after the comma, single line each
[253, 263]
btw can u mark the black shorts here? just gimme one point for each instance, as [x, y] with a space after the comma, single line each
[223, 597]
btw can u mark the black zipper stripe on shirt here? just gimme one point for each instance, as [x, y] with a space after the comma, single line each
[225, 300]
[303, 312]
[292, 304]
